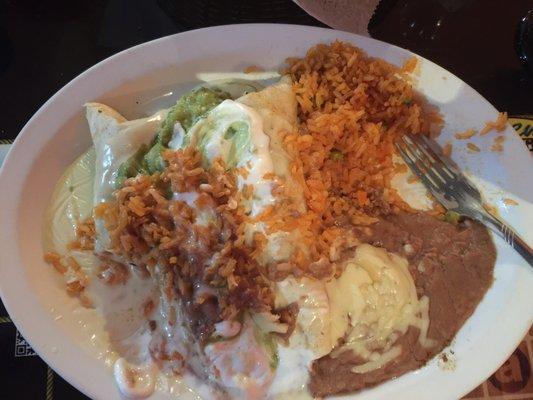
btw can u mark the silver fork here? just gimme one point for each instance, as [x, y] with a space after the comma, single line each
[452, 189]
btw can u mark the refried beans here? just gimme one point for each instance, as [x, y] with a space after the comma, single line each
[451, 264]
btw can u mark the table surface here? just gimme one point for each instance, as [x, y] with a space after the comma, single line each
[45, 44]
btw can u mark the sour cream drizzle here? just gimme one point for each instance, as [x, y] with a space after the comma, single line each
[256, 160]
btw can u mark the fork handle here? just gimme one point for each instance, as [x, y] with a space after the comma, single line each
[510, 236]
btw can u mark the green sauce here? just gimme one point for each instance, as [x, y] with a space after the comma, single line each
[132, 166]
[239, 135]
[190, 108]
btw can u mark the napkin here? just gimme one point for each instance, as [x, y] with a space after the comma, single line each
[346, 15]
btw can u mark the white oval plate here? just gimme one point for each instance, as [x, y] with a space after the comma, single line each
[53, 323]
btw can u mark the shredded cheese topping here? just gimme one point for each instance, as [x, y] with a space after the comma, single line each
[373, 303]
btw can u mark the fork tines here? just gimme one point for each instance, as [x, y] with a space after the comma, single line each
[435, 170]
[424, 161]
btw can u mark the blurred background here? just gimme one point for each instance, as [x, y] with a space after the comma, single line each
[46, 43]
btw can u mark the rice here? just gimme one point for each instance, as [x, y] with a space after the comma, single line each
[252, 68]
[410, 64]
[473, 148]
[498, 125]
[465, 135]
[497, 144]
[510, 202]
[352, 108]
[76, 280]
[447, 149]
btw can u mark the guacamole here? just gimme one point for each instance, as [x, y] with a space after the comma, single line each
[189, 108]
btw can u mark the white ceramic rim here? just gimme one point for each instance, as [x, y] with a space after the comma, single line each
[89, 375]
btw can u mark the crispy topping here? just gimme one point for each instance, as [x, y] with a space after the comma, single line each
[85, 233]
[76, 280]
[55, 260]
[497, 144]
[146, 228]
[473, 148]
[113, 273]
[447, 149]
[466, 134]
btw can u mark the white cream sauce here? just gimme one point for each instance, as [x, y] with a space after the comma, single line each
[115, 143]
[178, 137]
[187, 197]
[256, 160]
[313, 324]
[70, 204]
[116, 328]
[134, 381]
[292, 374]
[242, 364]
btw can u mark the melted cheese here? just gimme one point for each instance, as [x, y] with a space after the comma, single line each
[373, 303]
[377, 360]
